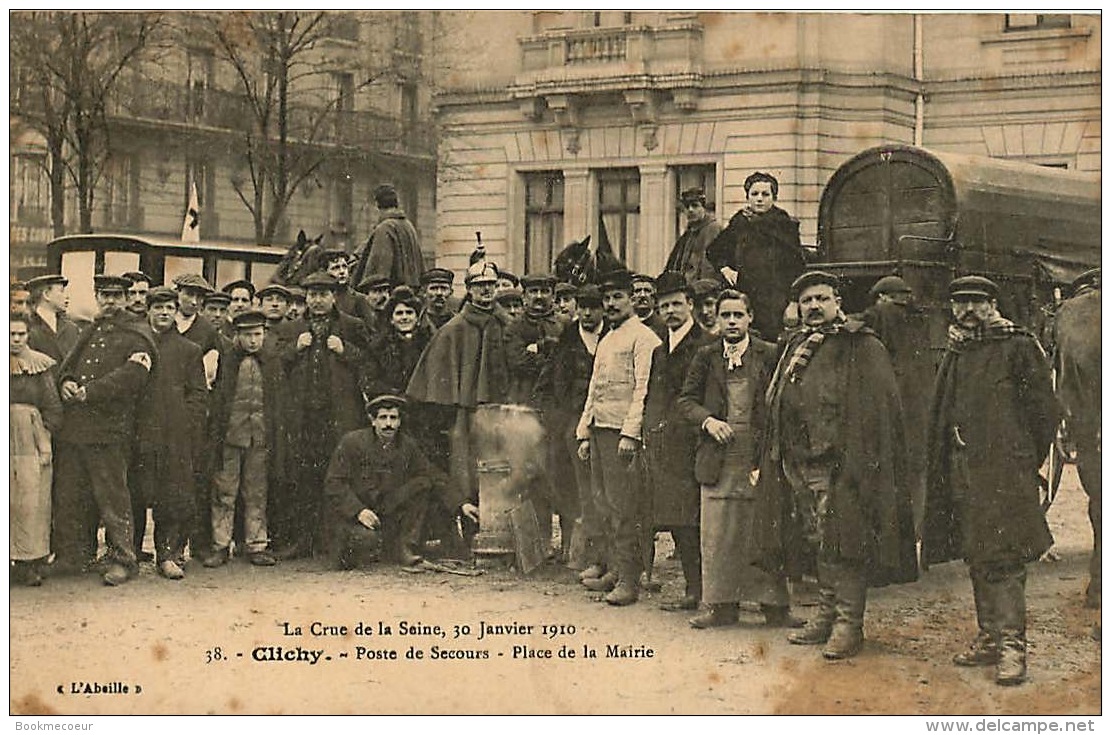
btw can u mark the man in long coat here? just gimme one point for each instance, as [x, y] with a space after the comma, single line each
[992, 419]
[672, 500]
[688, 256]
[760, 254]
[393, 249]
[170, 429]
[831, 497]
[101, 383]
[325, 365]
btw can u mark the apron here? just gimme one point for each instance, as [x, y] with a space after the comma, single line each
[30, 474]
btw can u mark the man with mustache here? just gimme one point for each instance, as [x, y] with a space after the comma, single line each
[435, 292]
[832, 498]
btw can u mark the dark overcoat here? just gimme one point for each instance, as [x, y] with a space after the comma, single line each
[999, 395]
[688, 256]
[669, 438]
[704, 395]
[58, 344]
[465, 363]
[524, 364]
[870, 522]
[391, 360]
[564, 381]
[767, 252]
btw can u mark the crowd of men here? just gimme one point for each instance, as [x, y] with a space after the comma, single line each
[317, 420]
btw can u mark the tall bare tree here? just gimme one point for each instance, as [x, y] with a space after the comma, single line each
[67, 67]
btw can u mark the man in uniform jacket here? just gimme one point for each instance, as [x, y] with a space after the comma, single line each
[49, 330]
[832, 498]
[609, 434]
[101, 384]
[561, 392]
[393, 249]
[170, 430]
[688, 257]
[325, 365]
[379, 486]
[723, 396]
[672, 500]
[759, 253]
[992, 419]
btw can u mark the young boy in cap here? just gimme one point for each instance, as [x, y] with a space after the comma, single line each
[50, 331]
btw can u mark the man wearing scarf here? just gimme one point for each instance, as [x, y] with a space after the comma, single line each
[831, 498]
[465, 365]
[992, 419]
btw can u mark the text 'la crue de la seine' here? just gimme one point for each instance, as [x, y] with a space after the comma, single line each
[405, 640]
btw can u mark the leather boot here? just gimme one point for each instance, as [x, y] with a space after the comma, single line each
[779, 616]
[592, 572]
[623, 593]
[847, 636]
[718, 616]
[818, 629]
[605, 583]
[1011, 669]
[1009, 593]
[984, 651]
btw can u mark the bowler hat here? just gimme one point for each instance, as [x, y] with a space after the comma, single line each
[161, 294]
[589, 295]
[670, 282]
[249, 319]
[275, 289]
[318, 281]
[977, 287]
[52, 279]
[617, 279]
[437, 275]
[889, 284]
[814, 278]
[102, 282]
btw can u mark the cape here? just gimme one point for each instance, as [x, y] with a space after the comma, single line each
[465, 363]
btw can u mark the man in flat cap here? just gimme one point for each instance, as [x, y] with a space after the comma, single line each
[706, 292]
[393, 249]
[904, 329]
[274, 302]
[644, 304]
[214, 307]
[192, 289]
[832, 499]
[673, 501]
[465, 365]
[49, 330]
[992, 420]
[247, 444]
[348, 300]
[170, 438]
[561, 394]
[379, 488]
[325, 365]
[565, 302]
[688, 257]
[137, 292]
[376, 288]
[101, 383]
[435, 292]
[609, 435]
[511, 304]
[242, 293]
[296, 304]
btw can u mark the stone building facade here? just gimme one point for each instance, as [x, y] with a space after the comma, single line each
[559, 124]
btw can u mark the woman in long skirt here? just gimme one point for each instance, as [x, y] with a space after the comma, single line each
[34, 412]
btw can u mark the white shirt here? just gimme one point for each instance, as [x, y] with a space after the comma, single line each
[590, 339]
[676, 336]
[733, 352]
[184, 322]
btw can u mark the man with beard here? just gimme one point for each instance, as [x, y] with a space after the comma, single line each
[435, 290]
[644, 304]
[393, 250]
[760, 254]
[101, 383]
[672, 500]
[565, 302]
[992, 420]
[170, 425]
[688, 257]
[379, 486]
[561, 393]
[832, 498]
[723, 395]
[137, 292]
[325, 368]
[348, 300]
[49, 330]
[706, 292]
[465, 365]
[609, 435]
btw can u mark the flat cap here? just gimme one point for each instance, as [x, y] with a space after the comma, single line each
[619, 278]
[705, 287]
[538, 280]
[643, 278]
[136, 276]
[275, 289]
[512, 296]
[241, 283]
[977, 287]
[296, 293]
[564, 289]
[331, 254]
[102, 282]
[318, 281]
[249, 319]
[693, 195]
[509, 276]
[671, 282]
[889, 284]
[589, 295]
[51, 279]
[482, 271]
[373, 281]
[437, 275]
[161, 294]
[216, 297]
[384, 401]
[192, 280]
[814, 278]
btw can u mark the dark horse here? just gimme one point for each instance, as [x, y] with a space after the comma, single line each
[1078, 360]
[578, 265]
[303, 257]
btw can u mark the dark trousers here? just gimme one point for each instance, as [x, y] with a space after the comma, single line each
[302, 516]
[617, 487]
[90, 484]
[173, 504]
[140, 502]
[999, 589]
[200, 525]
[401, 515]
[688, 546]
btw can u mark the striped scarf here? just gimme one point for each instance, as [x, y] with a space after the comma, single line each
[793, 362]
[996, 327]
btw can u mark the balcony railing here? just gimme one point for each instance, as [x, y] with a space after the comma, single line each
[670, 48]
[610, 46]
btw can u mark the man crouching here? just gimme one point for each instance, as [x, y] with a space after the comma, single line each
[378, 487]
